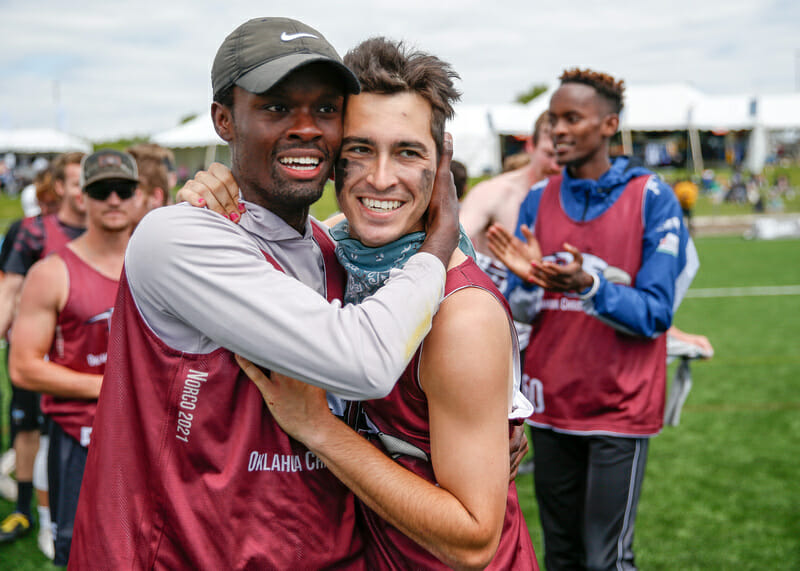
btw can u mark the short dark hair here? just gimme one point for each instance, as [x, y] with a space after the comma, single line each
[151, 162]
[610, 89]
[384, 66]
[460, 178]
[60, 164]
[225, 97]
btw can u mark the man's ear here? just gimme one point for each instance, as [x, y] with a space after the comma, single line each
[529, 147]
[610, 125]
[223, 121]
[58, 187]
[158, 198]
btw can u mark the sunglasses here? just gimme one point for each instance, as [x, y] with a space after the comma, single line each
[102, 190]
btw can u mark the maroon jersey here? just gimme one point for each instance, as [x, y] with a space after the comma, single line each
[582, 375]
[38, 237]
[81, 341]
[403, 415]
[188, 470]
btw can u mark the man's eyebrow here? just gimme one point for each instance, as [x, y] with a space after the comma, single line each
[415, 145]
[357, 140]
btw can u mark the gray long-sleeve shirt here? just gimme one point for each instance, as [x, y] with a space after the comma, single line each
[201, 282]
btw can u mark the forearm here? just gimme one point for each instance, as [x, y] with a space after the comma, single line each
[222, 292]
[647, 313]
[9, 292]
[356, 351]
[428, 514]
[49, 378]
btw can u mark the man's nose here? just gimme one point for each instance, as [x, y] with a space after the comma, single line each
[305, 126]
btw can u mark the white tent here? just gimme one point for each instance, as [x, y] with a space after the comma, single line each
[199, 132]
[194, 143]
[40, 141]
[663, 107]
[476, 131]
[475, 142]
[779, 112]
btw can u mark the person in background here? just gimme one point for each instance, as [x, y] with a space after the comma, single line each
[605, 247]
[38, 236]
[60, 336]
[498, 199]
[686, 191]
[154, 176]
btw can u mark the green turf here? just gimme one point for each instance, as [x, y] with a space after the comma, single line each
[721, 489]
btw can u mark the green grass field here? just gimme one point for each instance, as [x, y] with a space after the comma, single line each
[721, 489]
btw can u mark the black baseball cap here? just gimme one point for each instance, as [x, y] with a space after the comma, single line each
[106, 164]
[262, 51]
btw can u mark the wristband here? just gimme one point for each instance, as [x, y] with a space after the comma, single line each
[592, 289]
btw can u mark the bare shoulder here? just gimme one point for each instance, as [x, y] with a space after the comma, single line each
[52, 267]
[469, 343]
[47, 280]
[469, 304]
[468, 318]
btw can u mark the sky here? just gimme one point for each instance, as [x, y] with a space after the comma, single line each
[105, 70]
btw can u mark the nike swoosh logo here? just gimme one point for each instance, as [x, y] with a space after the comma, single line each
[289, 37]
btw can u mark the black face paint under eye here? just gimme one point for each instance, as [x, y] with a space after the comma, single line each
[339, 172]
[426, 179]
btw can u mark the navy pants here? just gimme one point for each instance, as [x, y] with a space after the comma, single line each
[587, 488]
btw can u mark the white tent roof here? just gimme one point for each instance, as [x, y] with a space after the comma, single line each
[723, 112]
[199, 132]
[779, 111]
[663, 107]
[41, 141]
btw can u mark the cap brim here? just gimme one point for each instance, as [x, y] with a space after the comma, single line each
[264, 77]
[109, 176]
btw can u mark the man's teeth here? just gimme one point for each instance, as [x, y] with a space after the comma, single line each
[300, 163]
[381, 205]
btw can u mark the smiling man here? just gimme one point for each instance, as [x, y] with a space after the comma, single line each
[617, 263]
[432, 474]
[60, 335]
[186, 469]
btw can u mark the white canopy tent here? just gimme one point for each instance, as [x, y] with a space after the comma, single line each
[194, 142]
[40, 141]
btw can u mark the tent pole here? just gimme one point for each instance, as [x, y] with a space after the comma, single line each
[627, 143]
[697, 154]
[211, 154]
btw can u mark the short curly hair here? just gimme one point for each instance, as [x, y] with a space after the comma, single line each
[384, 66]
[610, 89]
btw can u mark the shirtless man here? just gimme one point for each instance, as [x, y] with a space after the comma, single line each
[498, 199]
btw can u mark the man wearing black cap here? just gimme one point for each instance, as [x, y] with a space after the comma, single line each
[187, 469]
[60, 335]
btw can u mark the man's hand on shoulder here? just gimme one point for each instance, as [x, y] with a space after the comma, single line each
[215, 189]
[442, 217]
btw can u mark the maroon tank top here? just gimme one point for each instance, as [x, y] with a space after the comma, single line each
[403, 414]
[582, 375]
[81, 341]
[188, 470]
